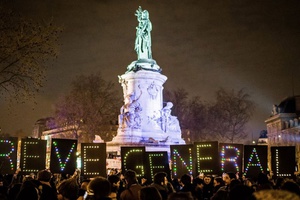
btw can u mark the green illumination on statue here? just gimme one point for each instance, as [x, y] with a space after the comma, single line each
[143, 36]
[143, 44]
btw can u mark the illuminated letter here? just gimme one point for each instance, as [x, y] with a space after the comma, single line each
[131, 157]
[176, 155]
[8, 155]
[91, 161]
[230, 159]
[27, 146]
[153, 165]
[250, 164]
[202, 159]
[63, 164]
[283, 159]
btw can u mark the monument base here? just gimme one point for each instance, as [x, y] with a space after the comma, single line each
[144, 64]
[152, 141]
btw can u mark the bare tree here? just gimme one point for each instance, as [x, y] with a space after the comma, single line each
[91, 108]
[191, 114]
[223, 120]
[229, 114]
[196, 120]
[25, 49]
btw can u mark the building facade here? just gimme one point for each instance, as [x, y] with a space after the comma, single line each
[283, 126]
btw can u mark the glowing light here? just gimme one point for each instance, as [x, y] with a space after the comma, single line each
[137, 167]
[199, 159]
[8, 155]
[277, 164]
[61, 163]
[231, 159]
[250, 164]
[188, 167]
[25, 156]
[153, 155]
[86, 160]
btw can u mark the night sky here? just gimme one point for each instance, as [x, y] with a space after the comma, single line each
[200, 45]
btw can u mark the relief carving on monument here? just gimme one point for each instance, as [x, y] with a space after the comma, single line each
[152, 90]
[130, 112]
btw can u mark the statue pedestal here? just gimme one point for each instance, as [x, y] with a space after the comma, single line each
[144, 119]
[152, 141]
[127, 135]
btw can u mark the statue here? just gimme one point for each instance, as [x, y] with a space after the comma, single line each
[275, 110]
[169, 122]
[98, 139]
[143, 36]
[130, 116]
[143, 45]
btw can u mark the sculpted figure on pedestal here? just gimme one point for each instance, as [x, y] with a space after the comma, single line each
[169, 122]
[130, 116]
[143, 36]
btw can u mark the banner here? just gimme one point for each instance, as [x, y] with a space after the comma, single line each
[114, 163]
[33, 155]
[202, 157]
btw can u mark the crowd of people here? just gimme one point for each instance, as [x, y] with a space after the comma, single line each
[118, 186]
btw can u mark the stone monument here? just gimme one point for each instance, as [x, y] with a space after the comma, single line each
[145, 120]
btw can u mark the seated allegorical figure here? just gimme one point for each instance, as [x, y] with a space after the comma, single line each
[130, 117]
[169, 122]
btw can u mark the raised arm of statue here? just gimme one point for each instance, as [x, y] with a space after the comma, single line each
[143, 35]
